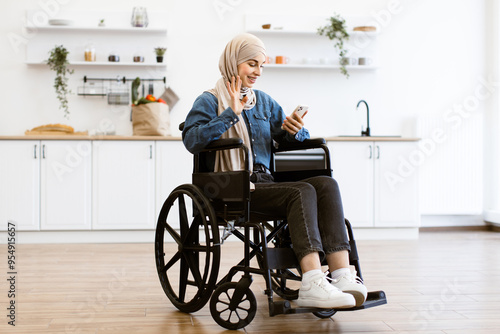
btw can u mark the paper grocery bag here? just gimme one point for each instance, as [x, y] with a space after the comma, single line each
[151, 119]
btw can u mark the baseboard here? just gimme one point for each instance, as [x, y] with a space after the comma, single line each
[485, 227]
[492, 217]
[451, 221]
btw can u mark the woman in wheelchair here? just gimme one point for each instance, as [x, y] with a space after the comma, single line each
[312, 206]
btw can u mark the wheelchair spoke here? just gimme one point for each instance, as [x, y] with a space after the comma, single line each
[191, 235]
[183, 220]
[183, 279]
[173, 233]
[172, 261]
[193, 264]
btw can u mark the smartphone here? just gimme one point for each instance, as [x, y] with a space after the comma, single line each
[300, 110]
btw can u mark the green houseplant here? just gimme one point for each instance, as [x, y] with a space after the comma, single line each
[159, 54]
[335, 30]
[58, 62]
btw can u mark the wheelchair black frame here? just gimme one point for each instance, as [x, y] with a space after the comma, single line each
[233, 204]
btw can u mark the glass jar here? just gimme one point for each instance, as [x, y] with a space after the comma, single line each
[90, 52]
[139, 17]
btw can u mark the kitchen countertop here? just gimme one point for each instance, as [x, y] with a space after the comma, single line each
[176, 138]
[371, 138]
[80, 137]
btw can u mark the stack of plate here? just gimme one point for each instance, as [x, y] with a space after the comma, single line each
[60, 22]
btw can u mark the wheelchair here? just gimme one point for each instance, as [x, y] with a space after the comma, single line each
[188, 242]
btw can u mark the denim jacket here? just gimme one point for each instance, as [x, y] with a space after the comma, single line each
[203, 125]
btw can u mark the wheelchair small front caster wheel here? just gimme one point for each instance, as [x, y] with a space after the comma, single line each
[325, 314]
[232, 309]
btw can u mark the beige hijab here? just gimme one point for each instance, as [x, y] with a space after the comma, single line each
[240, 49]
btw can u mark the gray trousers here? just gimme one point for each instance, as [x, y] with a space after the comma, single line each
[313, 209]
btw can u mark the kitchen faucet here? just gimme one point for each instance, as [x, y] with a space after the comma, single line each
[367, 131]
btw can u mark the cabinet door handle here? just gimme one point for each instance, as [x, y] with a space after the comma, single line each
[150, 151]
[43, 151]
[371, 151]
[378, 152]
[34, 151]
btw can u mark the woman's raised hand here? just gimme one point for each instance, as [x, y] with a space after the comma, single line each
[234, 88]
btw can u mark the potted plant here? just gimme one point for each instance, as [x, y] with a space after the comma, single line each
[58, 62]
[159, 54]
[336, 31]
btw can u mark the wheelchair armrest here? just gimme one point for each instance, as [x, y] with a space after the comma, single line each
[304, 145]
[224, 144]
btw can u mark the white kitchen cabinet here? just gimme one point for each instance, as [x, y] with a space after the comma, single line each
[123, 192]
[174, 166]
[65, 185]
[396, 185]
[379, 186]
[20, 184]
[353, 170]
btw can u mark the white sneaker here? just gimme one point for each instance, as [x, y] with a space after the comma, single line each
[350, 283]
[320, 293]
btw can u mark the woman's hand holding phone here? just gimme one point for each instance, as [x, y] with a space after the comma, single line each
[295, 122]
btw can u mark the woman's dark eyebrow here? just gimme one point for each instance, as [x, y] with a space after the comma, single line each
[254, 60]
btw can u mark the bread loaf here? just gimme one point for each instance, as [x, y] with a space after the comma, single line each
[54, 127]
[365, 28]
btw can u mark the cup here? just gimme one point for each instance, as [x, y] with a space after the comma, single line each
[365, 61]
[269, 60]
[282, 60]
[348, 61]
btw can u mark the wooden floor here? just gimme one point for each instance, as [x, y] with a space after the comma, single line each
[445, 282]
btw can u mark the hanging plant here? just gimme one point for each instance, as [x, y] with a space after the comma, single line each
[336, 31]
[58, 62]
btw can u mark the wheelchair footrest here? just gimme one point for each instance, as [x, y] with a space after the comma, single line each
[374, 298]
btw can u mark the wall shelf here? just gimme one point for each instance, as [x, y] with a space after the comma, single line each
[313, 66]
[117, 37]
[104, 63]
[296, 37]
[283, 32]
[98, 29]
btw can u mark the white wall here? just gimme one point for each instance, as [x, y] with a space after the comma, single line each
[432, 56]
[430, 53]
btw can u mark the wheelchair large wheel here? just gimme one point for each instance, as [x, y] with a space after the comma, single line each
[325, 314]
[187, 261]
